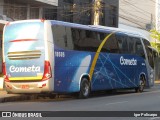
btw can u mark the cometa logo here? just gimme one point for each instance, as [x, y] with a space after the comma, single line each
[24, 69]
[128, 61]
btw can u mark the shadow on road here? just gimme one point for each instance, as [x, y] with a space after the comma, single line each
[97, 94]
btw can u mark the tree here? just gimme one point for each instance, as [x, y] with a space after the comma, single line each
[97, 11]
[155, 35]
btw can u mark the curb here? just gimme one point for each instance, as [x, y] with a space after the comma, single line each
[17, 98]
[14, 98]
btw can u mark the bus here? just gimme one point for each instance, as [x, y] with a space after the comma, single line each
[49, 56]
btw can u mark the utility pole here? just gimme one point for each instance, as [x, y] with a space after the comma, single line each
[97, 11]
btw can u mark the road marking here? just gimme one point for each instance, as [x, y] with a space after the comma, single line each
[116, 103]
[13, 103]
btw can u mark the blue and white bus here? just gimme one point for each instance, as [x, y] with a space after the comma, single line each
[49, 56]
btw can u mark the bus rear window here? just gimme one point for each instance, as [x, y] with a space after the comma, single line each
[29, 31]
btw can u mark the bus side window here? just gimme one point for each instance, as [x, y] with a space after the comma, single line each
[87, 40]
[131, 45]
[139, 48]
[122, 43]
[69, 41]
[111, 44]
[149, 52]
[59, 35]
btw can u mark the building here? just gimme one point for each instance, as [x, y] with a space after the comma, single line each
[28, 9]
[77, 11]
[139, 14]
[158, 15]
[82, 11]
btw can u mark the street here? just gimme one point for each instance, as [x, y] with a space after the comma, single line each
[124, 100]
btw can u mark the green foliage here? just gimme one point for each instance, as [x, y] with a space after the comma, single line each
[156, 46]
[155, 35]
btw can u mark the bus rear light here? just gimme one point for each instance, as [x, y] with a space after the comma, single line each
[42, 20]
[8, 23]
[5, 72]
[4, 68]
[47, 71]
[6, 78]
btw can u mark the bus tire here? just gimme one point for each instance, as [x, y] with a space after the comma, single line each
[84, 88]
[141, 86]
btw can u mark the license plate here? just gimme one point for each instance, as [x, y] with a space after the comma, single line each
[25, 86]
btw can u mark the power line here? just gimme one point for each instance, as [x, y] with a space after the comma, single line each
[138, 9]
[133, 15]
[131, 21]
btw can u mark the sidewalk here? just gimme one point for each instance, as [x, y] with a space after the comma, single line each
[4, 97]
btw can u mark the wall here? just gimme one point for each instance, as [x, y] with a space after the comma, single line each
[1, 6]
[137, 13]
[81, 11]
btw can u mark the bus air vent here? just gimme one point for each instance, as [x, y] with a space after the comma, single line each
[24, 55]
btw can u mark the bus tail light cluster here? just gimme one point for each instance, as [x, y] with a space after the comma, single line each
[5, 72]
[47, 71]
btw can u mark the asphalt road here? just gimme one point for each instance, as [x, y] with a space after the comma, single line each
[124, 100]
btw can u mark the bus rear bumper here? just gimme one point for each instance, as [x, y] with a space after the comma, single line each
[28, 87]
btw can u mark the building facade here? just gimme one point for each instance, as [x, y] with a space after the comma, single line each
[158, 15]
[76, 11]
[28, 9]
[82, 11]
[139, 13]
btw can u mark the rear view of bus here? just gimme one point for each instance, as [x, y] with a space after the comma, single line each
[25, 65]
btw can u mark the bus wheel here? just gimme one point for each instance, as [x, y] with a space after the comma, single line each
[141, 86]
[84, 89]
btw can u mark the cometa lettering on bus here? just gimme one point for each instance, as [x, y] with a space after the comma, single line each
[24, 69]
[128, 61]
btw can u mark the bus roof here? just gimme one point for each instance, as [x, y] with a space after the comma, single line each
[99, 27]
[90, 27]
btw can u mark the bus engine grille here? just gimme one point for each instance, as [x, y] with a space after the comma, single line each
[24, 55]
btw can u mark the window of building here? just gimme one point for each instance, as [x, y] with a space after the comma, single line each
[14, 10]
[113, 15]
[34, 12]
[50, 13]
